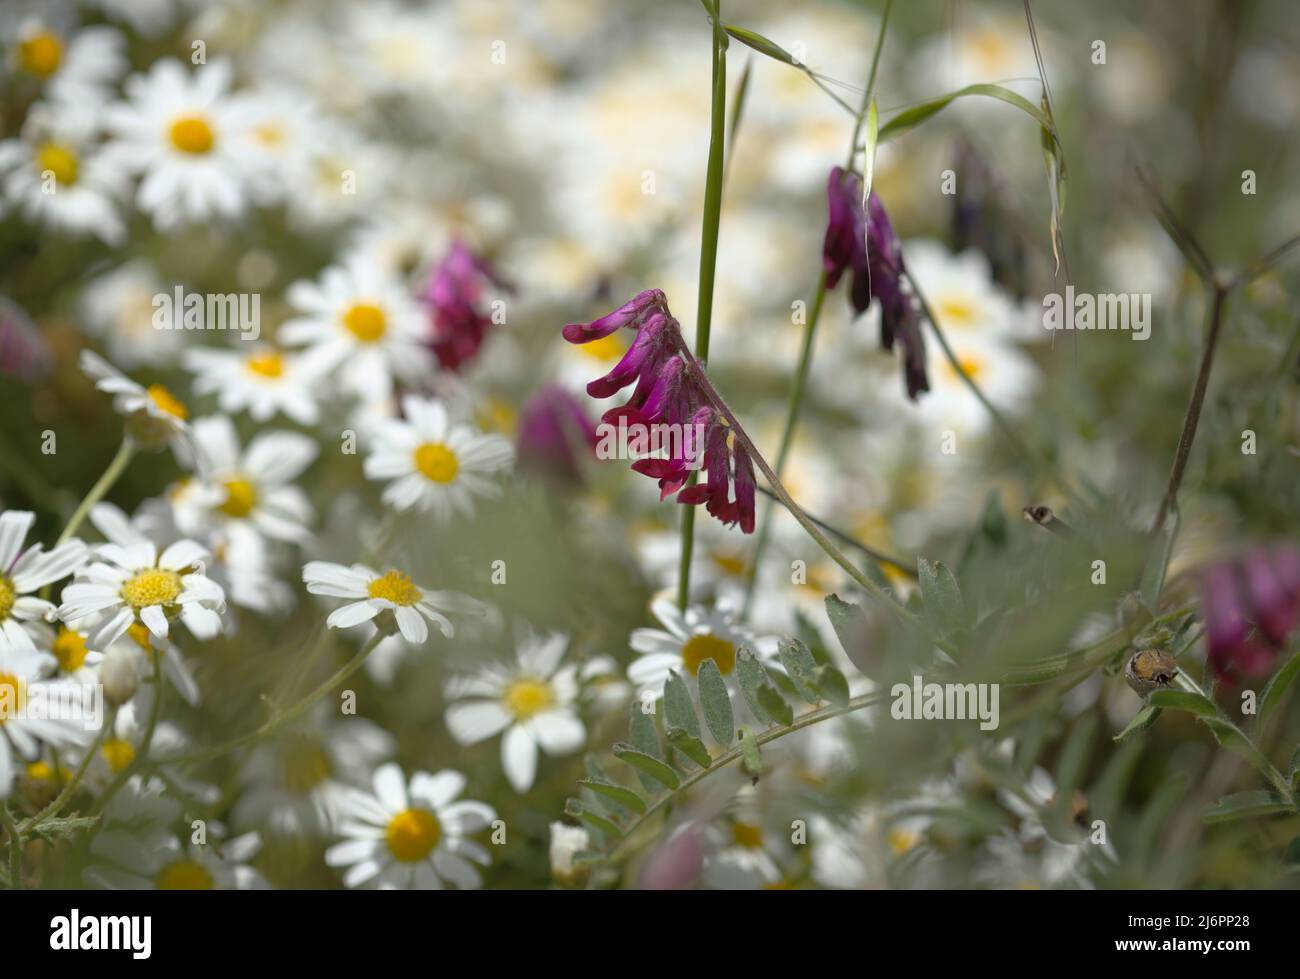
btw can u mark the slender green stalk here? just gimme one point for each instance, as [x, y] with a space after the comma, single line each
[15, 848]
[111, 475]
[62, 799]
[145, 743]
[708, 256]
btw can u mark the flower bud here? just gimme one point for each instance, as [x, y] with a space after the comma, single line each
[119, 674]
[566, 842]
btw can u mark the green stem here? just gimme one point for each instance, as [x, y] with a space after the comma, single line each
[15, 848]
[62, 799]
[111, 475]
[145, 743]
[708, 256]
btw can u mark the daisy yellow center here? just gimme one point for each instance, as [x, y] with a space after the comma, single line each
[747, 834]
[605, 349]
[902, 840]
[396, 588]
[69, 649]
[265, 365]
[13, 694]
[139, 632]
[269, 134]
[41, 54]
[304, 766]
[524, 698]
[167, 402]
[730, 564]
[970, 366]
[7, 597]
[59, 160]
[40, 771]
[119, 753]
[184, 875]
[699, 648]
[153, 587]
[956, 311]
[192, 134]
[241, 497]
[366, 322]
[437, 462]
[412, 834]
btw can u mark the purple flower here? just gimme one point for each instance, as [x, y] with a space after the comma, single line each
[865, 245]
[1250, 605]
[666, 394]
[23, 351]
[454, 293]
[552, 426]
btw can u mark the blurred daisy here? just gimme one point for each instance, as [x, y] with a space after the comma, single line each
[179, 131]
[412, 834]
[24, 572]
[118, 308]
[260, 380]
[250, 491]
[72, 65]
[375, 593]
[153, 859]
[532, 700]
[435, 464]
[57, 180]
[25, 722]
[362, 322]
[155, 416]
[965, 297]
[147, 17]
[130, 582]
[146, 648]
[77, 661]
[1006, 376]
[687, 640]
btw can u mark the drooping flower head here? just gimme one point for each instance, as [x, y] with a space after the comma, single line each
[454, 294]
[863, 242]
[667, 393]
[552, 427]
[1250, 605]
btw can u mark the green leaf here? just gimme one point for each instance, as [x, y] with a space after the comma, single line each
[572, 807]
[869, 162]
[645, 739]
[1182, 700]
[761, 44]
[52, 829]
[618, 793]
[941, 599]
[752, 676]
[1294, 774]
[917, 114]
[1153, 575]
[1278, 685]
[716, 703]
[647, 765]
[751, 759]
[690, 746]
[801, 668]
[848, 621]
[832, 684]
[679, 708]
[1246, 805]
[775, 705]
[1142, 720]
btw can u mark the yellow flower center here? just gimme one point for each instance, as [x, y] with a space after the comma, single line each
[605, 349]
[41, 54]
[167, 402]
[192, 134]
[731, 565]
[69, 649]
[747, 835]
[265, 365]
[59, 160]
[13, 696]
[970, 366]
[524, 698]
[269, 134]
[412, 834]
[153, 587]
[902, 840]
[119, 753]
[396, 588]
[140, 633]
[437, 462]
[699, 648]
[956, 311]
[304, 765]
[184, 875]
[366, 322]
[241, 497]
[7, 597]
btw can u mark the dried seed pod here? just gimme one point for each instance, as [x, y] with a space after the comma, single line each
[1149, 670]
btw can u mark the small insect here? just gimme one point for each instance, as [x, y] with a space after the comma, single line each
[1150, 669]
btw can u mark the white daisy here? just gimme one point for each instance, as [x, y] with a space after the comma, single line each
[258, 379]
[375, 593]
[56, 179]
[118, 308]
[24, 572]
[77, 661]
[154, 415]
[130, 582]
[145, 647]
[154, 859]
[411, 835]
[964, 296]
[72, 65]
[435, 464]
[24, 723]
[362, 322]
[179, 131]
[1006, 376]
[533, 701]
[687, 640]
[250, 491]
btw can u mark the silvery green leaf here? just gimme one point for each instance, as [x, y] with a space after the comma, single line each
[690, 746]
[645, 739]
[751, 760]
[941, 599]
[572, 807]
[1244, 805]
[801, 668]
[647, 765]
[618, 793]
[679, 708]
[832, 684]
[752, 676]
[716, 703]
[775, 705]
